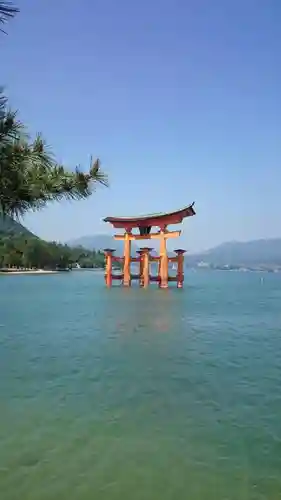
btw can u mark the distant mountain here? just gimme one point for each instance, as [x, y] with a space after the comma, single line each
[10, 226]
[99, 242]
[251, 253]
[248, 254]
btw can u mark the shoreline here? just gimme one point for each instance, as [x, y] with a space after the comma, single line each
[10, 272]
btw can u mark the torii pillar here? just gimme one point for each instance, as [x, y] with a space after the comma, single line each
[180, 273]
[144, 266]
[108, 252]
[164, 262]
[127, 259]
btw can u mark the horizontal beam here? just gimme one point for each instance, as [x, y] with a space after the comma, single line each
[137, 276]
[121, 259]
[152, 258]
[152, 236]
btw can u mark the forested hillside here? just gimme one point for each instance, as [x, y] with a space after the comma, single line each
[21, 249]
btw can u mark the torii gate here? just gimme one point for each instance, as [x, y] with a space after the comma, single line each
[144, 224]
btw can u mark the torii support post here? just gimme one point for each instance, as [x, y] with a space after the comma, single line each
[127, 259]
[140, 252]
[144, 266]
[164, 263]
[180, 273]
[159, 271]
[108, 252]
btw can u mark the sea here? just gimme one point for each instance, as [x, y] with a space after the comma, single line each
[140, 394]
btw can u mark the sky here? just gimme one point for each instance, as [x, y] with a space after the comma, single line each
[180, 100]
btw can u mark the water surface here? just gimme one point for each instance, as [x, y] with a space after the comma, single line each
[140, 394]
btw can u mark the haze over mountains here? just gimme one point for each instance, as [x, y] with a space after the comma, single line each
[100, 242]
[252, 253]
[8, 225]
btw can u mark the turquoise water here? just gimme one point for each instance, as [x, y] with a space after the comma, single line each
[140, 394]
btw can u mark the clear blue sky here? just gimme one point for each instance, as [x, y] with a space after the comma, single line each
[180, 99]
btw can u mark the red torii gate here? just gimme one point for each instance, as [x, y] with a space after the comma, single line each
[144, 225]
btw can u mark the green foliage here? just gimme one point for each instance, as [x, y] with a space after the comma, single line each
[24, 251]
[7, 11]
[30, 177]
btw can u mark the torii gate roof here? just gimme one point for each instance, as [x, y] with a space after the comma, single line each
[160, 219]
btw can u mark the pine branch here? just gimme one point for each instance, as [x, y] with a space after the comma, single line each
[7, 12]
